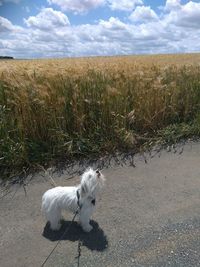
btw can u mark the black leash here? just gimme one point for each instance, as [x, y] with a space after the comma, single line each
[60, 239]
[79, 252]
[78, 199]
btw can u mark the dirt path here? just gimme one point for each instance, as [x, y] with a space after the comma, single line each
[147, 216]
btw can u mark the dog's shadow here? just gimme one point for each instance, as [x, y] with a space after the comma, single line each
[94, 240]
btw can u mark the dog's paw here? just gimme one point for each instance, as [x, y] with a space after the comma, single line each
[56, 227]
[87, 228]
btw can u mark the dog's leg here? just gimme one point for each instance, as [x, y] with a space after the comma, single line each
[54, 217]
[85, 215]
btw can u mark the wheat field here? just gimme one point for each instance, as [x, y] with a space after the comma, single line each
[85, 107]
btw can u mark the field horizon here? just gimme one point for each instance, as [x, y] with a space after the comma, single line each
[181, 54]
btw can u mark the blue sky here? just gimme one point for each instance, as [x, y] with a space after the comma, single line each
[68, 28]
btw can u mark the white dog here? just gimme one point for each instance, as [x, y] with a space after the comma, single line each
[73, 198]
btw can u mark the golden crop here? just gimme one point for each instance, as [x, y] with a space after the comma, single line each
[82, 106]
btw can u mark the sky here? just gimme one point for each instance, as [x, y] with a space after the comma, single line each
[74, 28]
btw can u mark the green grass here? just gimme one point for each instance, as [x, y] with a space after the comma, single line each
[47, 118]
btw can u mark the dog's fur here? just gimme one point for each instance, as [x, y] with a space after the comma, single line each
[59, 198]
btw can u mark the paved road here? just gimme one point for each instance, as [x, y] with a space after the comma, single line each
[147, 216]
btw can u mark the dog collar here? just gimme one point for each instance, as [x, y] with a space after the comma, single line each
[78, 199]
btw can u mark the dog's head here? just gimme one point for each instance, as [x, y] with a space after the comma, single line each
[91, 182]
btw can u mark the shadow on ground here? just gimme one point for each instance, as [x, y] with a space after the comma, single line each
[95, 240]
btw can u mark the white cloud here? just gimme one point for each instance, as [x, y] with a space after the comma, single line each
[187, 15]
[125, 5]
[143, 14]
[172, 4]
[77, 6]
[5, 25]
[48, 19]
[112, 23]
[83, 6]
[175, 30]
